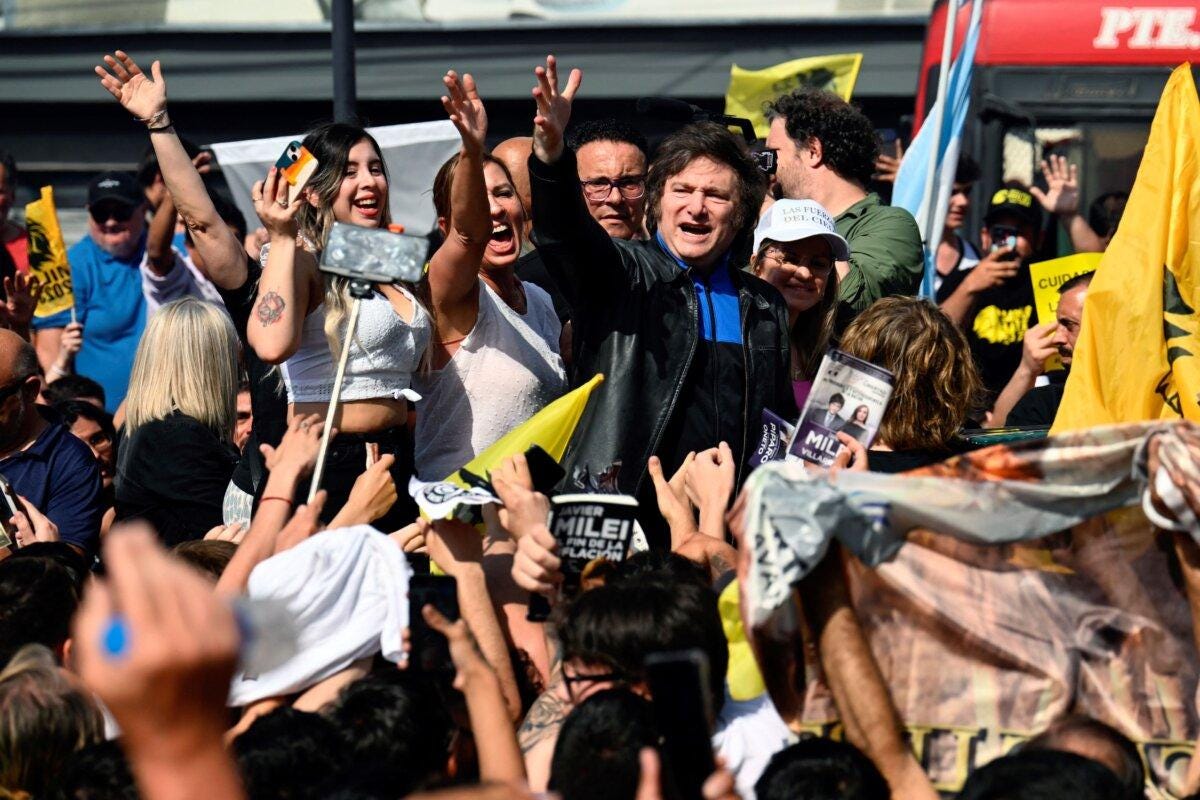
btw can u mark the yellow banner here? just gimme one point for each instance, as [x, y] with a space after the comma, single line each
[1137, 354]
[750, 90]
[48, 255]
[1047, 277]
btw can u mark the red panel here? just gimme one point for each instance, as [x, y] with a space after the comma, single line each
[1071, 33]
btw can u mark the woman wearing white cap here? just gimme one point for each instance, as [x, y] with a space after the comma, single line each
[796, 248]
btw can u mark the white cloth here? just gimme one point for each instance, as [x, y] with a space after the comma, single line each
[348, 592]
[748, 734]
[182, 280]
[503, 373]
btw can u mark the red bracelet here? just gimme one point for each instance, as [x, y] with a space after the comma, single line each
[280, 499]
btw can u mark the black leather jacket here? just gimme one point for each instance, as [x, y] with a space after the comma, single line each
[636, 319]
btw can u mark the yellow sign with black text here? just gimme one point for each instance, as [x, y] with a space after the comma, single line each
[48, 255]
[751, 89]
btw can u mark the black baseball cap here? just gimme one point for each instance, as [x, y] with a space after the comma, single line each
[116, 186]
[1014, 200]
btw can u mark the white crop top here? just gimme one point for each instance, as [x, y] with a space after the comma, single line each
[385, 352]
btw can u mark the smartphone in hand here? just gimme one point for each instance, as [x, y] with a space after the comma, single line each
[298, 166]
[680, 692]
[430, 651]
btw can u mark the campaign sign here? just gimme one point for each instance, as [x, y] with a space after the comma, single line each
[774, 433]
[591, 526]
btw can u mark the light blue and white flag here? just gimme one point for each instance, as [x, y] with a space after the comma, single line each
[911, 190]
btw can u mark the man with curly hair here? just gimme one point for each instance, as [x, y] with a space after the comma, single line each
[825, 150]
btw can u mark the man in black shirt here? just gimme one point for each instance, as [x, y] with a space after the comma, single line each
[996, 318]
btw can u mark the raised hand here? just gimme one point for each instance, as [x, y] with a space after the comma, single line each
[466, 110]
[297, 451]
[553, 109]
[371, 496]
[673, 502]
[1062, 186]
[124, 80]
[710, 478]
[524, 509]
[1038, 346]
[22, 293]
[271, 204]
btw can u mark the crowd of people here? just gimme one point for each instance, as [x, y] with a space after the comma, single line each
[158, 441]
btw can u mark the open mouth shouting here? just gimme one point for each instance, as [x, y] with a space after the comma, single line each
[695, 231]
[368, 207]
[503, 240]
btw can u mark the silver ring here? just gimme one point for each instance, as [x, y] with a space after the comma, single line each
[304, 425]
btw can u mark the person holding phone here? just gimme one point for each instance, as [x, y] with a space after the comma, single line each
[495, 360]
[993, 301]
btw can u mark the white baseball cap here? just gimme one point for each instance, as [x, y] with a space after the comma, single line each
[793, 220]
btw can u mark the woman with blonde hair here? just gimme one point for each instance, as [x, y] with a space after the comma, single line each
[175, 452]
[937, 383]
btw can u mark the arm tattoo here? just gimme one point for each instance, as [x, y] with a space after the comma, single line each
[270, 308]
[543, 721]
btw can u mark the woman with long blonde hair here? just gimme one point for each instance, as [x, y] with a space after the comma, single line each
[300, 316]
[175, 452]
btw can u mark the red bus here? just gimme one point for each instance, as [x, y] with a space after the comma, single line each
[1079, 77]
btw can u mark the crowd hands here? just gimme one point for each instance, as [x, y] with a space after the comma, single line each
[146, 652]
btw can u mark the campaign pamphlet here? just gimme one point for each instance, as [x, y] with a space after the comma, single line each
[591, 526]
[774, 434]
[849, 395]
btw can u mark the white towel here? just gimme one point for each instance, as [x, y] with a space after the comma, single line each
[348, 592]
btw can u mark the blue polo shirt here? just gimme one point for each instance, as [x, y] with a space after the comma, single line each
[110, 305]
[60, 476]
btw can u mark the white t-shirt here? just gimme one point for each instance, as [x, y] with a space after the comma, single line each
[748, 733]
[505, 371]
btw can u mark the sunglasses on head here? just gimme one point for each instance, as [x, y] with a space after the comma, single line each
[103, 212]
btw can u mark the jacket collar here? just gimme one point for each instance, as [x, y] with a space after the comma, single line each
[724, 263]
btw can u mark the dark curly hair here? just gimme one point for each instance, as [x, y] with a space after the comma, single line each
[707, 140]
[606, 130]
[848, 142]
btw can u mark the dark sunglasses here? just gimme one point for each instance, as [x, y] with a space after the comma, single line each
[103, 212]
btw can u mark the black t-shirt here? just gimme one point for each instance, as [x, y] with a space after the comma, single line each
[996, 329]
[173, 472]
[268, 401]
[1038, 407]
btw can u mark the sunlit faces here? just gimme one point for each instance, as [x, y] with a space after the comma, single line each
[1070, 319]
[613, 175]
[116, 227]
[960, 204]
[697, 211]
[362, 197]
[800, 270]
[508, 218]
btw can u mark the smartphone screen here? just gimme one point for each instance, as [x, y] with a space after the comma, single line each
[430, 650]
[679, 687]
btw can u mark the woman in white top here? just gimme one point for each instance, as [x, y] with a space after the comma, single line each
[300, 315]
[494, 358]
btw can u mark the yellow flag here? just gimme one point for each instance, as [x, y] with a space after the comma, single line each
[742, 676]
[1047, 277]
[750, 90]
[48, 255]
[1138, 355]
[550, 429]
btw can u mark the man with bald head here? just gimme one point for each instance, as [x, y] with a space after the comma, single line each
[514, 154]
[48, 467]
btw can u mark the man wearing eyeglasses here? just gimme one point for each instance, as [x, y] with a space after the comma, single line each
[611, 158]
[110, 277]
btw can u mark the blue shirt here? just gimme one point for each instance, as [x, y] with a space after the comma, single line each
[60, 476]
[112, 309]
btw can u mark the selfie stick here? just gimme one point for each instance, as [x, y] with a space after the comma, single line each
[359, 289]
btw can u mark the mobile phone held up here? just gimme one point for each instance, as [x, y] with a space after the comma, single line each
[9, 508]
[375, 255]
[682, 700]
[430, 652]
[297, 166]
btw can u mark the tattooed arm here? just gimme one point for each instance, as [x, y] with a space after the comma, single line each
[539, 732]
[289, 286]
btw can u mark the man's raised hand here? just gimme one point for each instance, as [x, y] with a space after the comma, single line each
[124, 80]
[553, 110]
